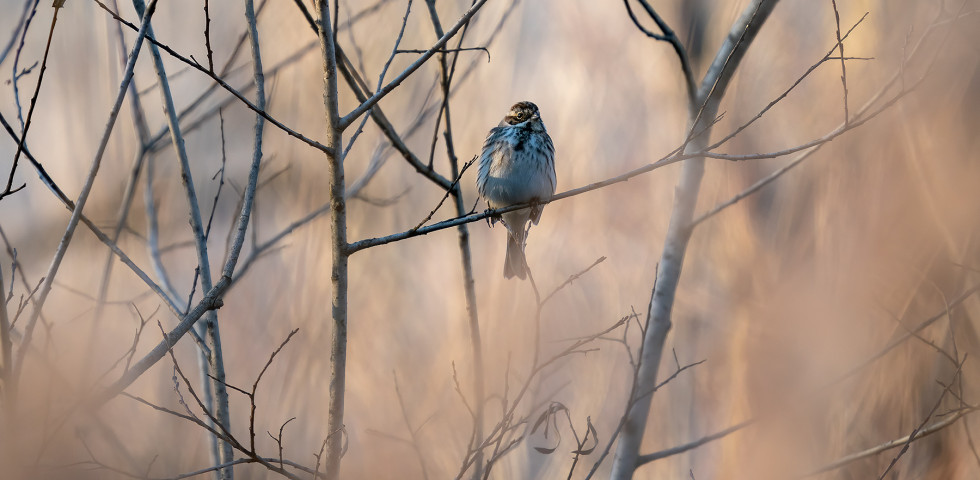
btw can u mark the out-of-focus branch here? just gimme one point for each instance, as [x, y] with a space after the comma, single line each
[142, 131]
[466, 257]
[212, 363]
[667, 35]
[843, 64]
[157, 142]
[6, 347]
[82, 196]
[370, 102]
[70, 205]
[362, 92]
[211, 300]
[701, 113]
[910, 332]
[897, 78]
[896, 443]
[30, 111]
[217, 79]
[16, 31]
[669, 452]
[259, 129]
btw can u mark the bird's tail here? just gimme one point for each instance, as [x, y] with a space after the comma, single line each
[514, 265]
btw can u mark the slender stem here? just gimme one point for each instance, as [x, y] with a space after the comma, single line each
[466, 257]
[6, 347]
[701, 113]
[30, 112]
[82, 196]
[338, 243]
[210, 358]
[212, 299]
[366, 105]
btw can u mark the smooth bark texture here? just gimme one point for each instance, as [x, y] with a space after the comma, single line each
[76, 214]
[211, 359]
[447, 69]
[338, 245]
[702, 113]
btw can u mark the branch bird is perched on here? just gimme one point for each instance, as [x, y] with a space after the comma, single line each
[517, 165]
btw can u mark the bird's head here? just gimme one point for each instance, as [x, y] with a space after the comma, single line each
[522, 112]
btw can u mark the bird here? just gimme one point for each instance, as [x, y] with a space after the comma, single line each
[517, 165]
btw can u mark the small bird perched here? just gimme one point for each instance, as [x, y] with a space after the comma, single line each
[517, 165]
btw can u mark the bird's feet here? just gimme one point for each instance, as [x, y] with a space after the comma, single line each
[492, 219]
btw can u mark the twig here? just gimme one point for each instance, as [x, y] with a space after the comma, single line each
[843, 66]
[83, 195]
[220, 175]
[840, 378]
[643, 459]
[571, 279]
[221, 82]
[449, 191]
[370, 102]
[670, 37]
[916, 430]
[207, 36]
[139, 120]
[898, 442]
[897, 77]
[449, 50]
[30, 111]
[701, 112]
[411, 430]
[20, 49]
[212, 363]
[255, 387]
[17, 28]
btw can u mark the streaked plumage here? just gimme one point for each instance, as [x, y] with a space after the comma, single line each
[517, 165]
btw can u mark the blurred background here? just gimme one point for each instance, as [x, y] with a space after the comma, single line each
[782, 292]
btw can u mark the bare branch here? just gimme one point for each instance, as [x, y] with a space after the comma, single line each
[217, 79]
[83, 195]
[30, 112]
[843, 66]
[370, 102]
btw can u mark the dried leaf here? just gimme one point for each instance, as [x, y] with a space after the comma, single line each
[595, 438]
[541, 419]
[546, 451]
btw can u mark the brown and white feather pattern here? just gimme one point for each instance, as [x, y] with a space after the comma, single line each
[517, 165]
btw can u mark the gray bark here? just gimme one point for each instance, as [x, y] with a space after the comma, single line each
[702, 112]
[338, 245]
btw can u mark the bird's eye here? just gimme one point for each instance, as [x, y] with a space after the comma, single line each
[521, 115]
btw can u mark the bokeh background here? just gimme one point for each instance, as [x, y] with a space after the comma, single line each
[785, 290]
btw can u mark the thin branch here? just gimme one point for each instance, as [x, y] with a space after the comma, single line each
[217, 79]
[670, 37]
[836, 380]
[17, 28]
[896, 443]
[450, 190]
[449, 50]
[897, 77]
[669, 452]
[414, 442]
[843, 66]
[370, 102]
[30, 111]
[83, 195]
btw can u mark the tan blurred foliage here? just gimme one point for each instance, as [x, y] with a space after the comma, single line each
[785, 290]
